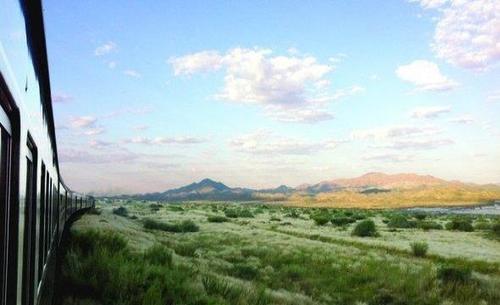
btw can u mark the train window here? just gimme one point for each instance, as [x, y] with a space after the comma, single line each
[5, 153]
[29, 226]
[46, 215]
[41, 238]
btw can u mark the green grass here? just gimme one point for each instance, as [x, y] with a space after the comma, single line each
[180, 227]
[258, 261]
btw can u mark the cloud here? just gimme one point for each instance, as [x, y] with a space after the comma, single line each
[430, 112]
[94, 131]
[205, 61]
[493, 97]
[140, 127]
[425, 75]
[83, 121]
[289, 88]
[86, 157]
[266, 143]
[391, 132]
[165, 140]
[388, 157]
[106, 48]
[419, 143]
[99, 144]
[132, 73]
[112, 64]
[466, 119]
[60, 97]
[467, 33]
[136, 110]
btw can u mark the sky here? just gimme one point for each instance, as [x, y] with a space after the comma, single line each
[152, 95]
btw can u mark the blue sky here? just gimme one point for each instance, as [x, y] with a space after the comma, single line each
[151, 95]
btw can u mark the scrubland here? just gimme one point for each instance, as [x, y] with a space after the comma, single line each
[224, 253]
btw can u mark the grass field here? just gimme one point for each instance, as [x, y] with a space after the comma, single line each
[220, 253]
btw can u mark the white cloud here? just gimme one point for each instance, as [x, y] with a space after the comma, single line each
[132, 73]
[493, 97]
[430, 112]
[140, 127]
[83, 121]
[467, 33]
[289, 88]
[390, 132]
[94, 131]
[106, 48]
[266, 143]
[112, 64]
[86, 157]
[466, 119]
[419, 143]
[204, 61]
[166, 140]
[425, 75]
[99, 144]
[61, 97]
[388, 157]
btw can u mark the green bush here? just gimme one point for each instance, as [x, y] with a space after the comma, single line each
[94, 211]
[158, 255]
[429, 225]
[245, 271]
[420, 216]
[321, 220]
[401, 222]
[419, 249]
[495, 229]
[121, 211]
[460, 224]
[231, 213]
[453, 274]
[182, 227]
[217, 218]
[482, 226]
[342, 220]
[245, 213]
[365, 228]
[274, 218]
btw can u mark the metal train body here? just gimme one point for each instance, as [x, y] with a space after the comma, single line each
[35, 203]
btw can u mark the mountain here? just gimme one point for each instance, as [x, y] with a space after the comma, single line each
[208, 189]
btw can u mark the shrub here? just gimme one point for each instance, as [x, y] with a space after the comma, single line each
[429, 225]
[94, 211]
[321, 220]
[293, 214]
[460, 224]
[342, 220]
[121, 211]
[452, 274]
[420, 216]
[182, 227]
[401, 222]
[245, 271]
[158, 255]
[482, 226]
[231, 213]
[495, 229]
[365, 228]
[245, 214]
[217, 218]
[274, 218]
[419, 249]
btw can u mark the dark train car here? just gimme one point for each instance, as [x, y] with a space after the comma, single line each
[35, 203]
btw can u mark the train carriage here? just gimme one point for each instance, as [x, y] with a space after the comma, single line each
[35, 204]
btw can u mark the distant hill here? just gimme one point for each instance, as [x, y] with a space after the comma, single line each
[369, 190]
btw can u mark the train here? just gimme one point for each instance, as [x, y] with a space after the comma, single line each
[35, 203]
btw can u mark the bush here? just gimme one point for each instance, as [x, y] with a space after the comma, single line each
[274, 218]
[365, 228]
[217, 218]
[231, 213]
[420, 216]
[453, 275]
[321, 220]
[121, 211]
[495, 229]
[94, 211]
[245, 214]
[482, 226]
[419, 249]
[429, 225]
[244, 271]
[158, 255]
[400, 221]
[182, 227]
[342, 220]
[460, 224]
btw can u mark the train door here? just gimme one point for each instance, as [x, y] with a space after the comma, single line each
[5, 178]
[29, 240]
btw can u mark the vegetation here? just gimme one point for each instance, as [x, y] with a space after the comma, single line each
[217, 218]
[252, 260]
[419, 249]
[121, 211]
[460, 224]
[366, 228]
[181, 227]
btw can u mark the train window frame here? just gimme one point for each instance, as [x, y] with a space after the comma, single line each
[41, 236]
[29, 239]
